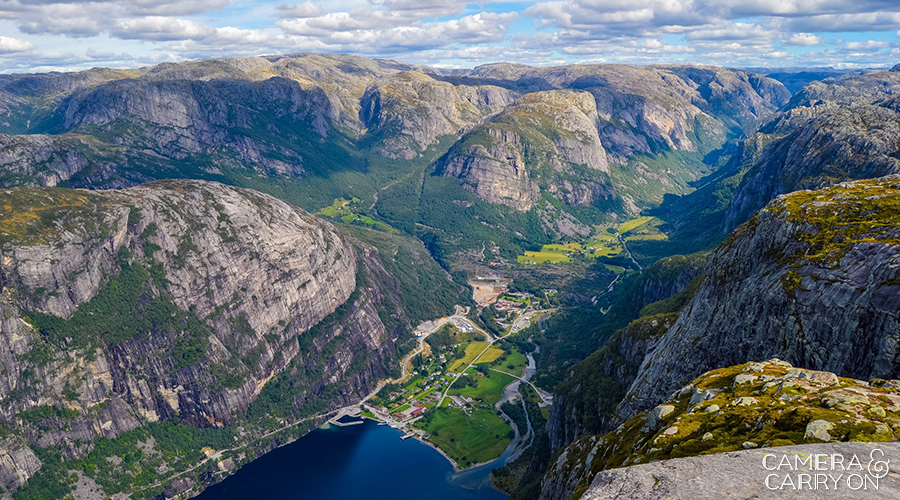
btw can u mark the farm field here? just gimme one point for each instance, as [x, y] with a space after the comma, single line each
[647, 237]
[615, 269]
[472, 350]
[345, 210]
[479, 436]
[634, 223]
[515, 363]
[489, 388]
[542, 257]
[604, 244]
[490, 355]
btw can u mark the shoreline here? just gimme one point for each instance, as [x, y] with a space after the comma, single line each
[433, 446]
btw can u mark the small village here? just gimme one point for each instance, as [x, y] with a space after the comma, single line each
[454, 383]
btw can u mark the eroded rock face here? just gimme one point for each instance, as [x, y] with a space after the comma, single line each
[643, 107]
[529, 147]
[584, 402]
[410, 110]
[810, 279]
[842, 129]
[496, 172]
[251, 273]
[815, 147]
[753, 405]
[17, 463]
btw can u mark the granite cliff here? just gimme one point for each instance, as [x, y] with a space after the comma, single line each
[809, 280]
[791, 283]
[840, 129]
[172, 306]
[534, 145]
[584, 402]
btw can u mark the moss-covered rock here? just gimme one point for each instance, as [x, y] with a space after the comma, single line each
[779, 406]
[811, 279]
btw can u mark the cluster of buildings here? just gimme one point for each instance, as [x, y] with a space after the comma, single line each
[415, 410]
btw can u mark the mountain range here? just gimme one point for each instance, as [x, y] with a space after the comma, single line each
[172, 277]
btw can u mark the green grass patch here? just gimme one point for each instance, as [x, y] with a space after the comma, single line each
[568, 247]
[615, 269]
[489, 388]
[468, 439]
[413, 383]
[634, 224]
[339, 208]
[647, 237]
[472, 350]
[542, 257]
[490, 355]
[514, 363]
[424, 394]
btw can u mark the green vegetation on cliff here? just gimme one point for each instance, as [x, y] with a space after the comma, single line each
[742, 407]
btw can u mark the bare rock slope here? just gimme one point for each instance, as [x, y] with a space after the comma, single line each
[181, 300]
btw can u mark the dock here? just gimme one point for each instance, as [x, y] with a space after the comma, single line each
[344, 424]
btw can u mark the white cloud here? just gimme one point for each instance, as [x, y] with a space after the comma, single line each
[804, 40]
[10, 45]
[303, 10]
[871, 44]
[452, 32]
[162, 29]
[384, 31]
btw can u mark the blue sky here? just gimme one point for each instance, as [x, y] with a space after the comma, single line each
[47, 35]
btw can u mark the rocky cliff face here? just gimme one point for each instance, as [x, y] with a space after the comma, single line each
[810, 279]
[643, 107]
[529, 150]
[272, 116]
[584, 403]
[408, 111]
[177, 299]
[753, 405]
[289, 115]
[534, 144]
[738, 475]
[844, 128]
[814, 147]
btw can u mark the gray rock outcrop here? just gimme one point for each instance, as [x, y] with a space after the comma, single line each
[528, 147]
[741, 475]
[810, 279]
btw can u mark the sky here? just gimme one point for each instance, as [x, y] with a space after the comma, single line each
[49, 35]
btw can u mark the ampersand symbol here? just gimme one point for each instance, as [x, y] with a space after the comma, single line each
[878, 468]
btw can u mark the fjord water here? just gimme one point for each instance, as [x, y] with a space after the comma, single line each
[357, 461]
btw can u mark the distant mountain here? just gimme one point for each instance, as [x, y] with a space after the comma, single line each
[830, 132]
[795, 79]
[312, 127]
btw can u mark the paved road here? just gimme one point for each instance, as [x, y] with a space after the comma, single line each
[491, 341]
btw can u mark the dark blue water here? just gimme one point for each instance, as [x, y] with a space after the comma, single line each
[357, 461]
